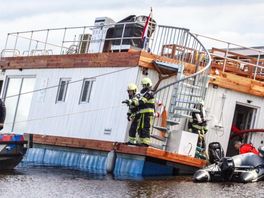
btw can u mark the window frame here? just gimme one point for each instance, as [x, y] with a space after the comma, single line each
[67, 80]
[89, 90]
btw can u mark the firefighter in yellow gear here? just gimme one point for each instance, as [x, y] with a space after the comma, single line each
[198, 125]
[132, 114]
[146, 108]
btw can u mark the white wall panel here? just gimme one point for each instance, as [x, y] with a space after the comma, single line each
[104, 111]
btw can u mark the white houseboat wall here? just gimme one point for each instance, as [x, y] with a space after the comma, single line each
[226, 107]
[100, 117]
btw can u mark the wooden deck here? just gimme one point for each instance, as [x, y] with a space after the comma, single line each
[231, 73]
[119, 148]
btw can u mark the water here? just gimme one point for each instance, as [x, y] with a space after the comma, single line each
[49, 182]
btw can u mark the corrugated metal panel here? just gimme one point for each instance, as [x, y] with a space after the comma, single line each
[69, 118]
[128, 166]
[222, 101]
[90, 162]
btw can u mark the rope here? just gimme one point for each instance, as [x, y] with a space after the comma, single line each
[67, 114]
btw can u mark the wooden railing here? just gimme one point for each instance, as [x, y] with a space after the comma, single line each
[239, 64]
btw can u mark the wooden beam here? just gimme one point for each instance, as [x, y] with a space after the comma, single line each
[146, 60]
[73, 142]
[238, 83]
[176, 158]
[119, 59]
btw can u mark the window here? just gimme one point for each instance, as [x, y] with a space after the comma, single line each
[17, 104]
[86, 90]
[62, 89]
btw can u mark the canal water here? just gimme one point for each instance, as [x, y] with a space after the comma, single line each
[48, 182]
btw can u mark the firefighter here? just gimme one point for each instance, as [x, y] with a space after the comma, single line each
[198, 125]
[245, 148]
[132, 114]
[146, 105]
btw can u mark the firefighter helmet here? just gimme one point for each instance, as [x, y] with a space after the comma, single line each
[132, 87]
[201, 102]
[146, 82]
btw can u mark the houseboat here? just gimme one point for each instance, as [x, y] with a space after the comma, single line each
[63, 87]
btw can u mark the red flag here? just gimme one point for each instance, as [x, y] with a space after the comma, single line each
[145, 30]
[144, 35]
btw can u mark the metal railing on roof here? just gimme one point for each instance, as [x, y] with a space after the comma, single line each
[68, 40]
[95, 39]
[194, 52]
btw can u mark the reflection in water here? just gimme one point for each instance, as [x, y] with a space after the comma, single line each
[52, 182]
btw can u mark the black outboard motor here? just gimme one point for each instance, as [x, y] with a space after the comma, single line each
[2, 114]
[227, 167]
[215, 152]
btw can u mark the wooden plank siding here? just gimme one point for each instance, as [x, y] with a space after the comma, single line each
[119, 148]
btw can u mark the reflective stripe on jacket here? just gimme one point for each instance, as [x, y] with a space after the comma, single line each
[147, 103]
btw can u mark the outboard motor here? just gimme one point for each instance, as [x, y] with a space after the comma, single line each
[215, 152]
[227, 167]
[2, 114]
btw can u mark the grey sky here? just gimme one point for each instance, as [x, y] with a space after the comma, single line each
[237, 21]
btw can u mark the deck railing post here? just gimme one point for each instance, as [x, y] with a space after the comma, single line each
[15, 43]
[63, 38]
[122, 36]
[46, 40]
[226, 55]
[185, 41]
[160, 45]
[256, 67]
[82, 37]
[30, 41]
[7, 37]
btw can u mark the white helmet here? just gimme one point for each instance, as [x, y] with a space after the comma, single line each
[132, 87]
[201, 102]
[146, 82]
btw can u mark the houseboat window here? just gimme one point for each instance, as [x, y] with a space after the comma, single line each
[86, 90]
[62, 89]
[18, 93]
